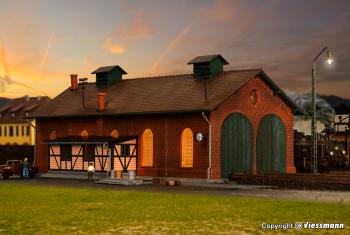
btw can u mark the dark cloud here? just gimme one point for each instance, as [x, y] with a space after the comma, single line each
[284, 37]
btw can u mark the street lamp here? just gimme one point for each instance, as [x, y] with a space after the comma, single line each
[313, 123]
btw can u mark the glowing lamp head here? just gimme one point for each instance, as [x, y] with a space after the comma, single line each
[343, 152]
[330, 60]
[199, 136]
[329, 57]
[331, 153]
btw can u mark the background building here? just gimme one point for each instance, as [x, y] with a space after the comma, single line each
[15, 128]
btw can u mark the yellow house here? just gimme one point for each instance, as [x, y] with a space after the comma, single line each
[15, 128]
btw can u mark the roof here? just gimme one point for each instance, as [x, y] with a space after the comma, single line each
[89, 140]
[155, 95]
[20, 106]
[15, 108]
[5, 108]
[31, 107]
[207, 59]
[108, 69]
[341, 109]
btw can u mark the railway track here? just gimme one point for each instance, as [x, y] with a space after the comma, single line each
[331, 181]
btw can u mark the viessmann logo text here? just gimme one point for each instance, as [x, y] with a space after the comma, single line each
[302, 225]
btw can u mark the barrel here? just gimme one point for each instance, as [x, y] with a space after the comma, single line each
[132, 175]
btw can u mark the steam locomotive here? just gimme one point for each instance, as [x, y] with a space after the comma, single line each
[332, 153]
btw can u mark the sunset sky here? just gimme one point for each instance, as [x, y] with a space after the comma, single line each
[42, 42]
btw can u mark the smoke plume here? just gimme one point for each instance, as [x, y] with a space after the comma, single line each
[324, 112]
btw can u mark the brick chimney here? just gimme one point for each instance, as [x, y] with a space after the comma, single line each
[74, 82]
[101, 101]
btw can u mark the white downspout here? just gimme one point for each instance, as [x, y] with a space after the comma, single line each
[111, 168]
[209, 142]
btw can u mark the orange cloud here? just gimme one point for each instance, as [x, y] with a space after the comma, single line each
[139, 29]
[20, 74]
[156, 64]
[173, 44]
[113, 48]
[5, 67]
[6, 80]
[44, 59]
[220, 11]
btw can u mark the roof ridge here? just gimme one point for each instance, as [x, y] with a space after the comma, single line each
[184, 74]
[161, 76]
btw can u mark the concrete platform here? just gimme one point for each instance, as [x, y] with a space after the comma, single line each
[125, 182]
[72, 175]
[100, 176]
[183, 181]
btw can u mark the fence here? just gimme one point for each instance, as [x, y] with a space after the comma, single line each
[16, 152]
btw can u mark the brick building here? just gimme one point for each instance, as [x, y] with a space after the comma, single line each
[207, 124]
[15, 127]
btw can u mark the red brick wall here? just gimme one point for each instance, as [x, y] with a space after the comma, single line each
[166, 130]
[268, 103]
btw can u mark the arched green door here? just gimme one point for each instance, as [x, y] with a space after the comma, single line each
[271, 145]
[236, 145]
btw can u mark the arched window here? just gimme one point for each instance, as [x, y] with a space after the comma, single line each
[53, 135]
[187, 148]
[147, 148]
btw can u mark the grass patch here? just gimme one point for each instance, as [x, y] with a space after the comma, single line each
[37, 209]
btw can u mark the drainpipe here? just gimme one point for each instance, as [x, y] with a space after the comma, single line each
[111, 167]
[209, 140]
[166, 147]
[34, 127]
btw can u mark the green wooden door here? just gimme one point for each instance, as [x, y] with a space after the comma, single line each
[271, 145]
[236, 145]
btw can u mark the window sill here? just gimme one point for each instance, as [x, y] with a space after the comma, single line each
[186, 167]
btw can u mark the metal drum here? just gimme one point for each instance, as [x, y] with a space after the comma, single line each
[132, 175]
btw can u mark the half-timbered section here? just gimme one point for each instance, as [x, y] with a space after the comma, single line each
[208, 124]
[76, 153]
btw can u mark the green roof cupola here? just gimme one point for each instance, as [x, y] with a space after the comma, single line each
[208, 65]
[108, 75]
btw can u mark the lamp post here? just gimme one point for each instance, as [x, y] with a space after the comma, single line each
[82, 83]
[313, 122]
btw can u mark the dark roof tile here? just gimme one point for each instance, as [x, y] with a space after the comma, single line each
[168, 94]
[16, 108]
[31, 107]
[108, 69]
[90, 139]
[207, 59]
[19, 107]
